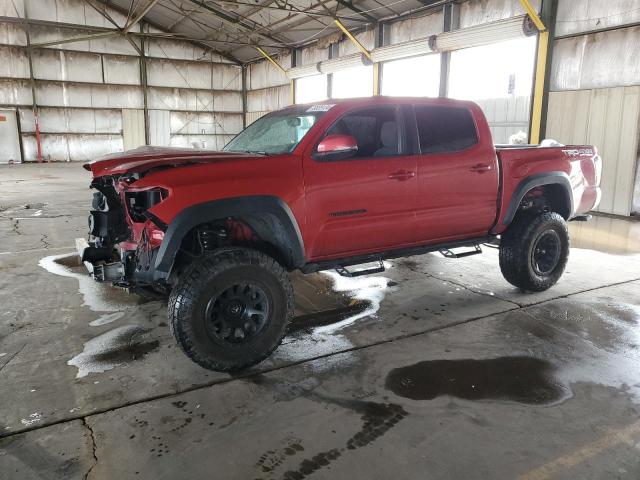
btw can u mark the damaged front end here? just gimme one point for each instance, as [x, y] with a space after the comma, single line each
[124, 236]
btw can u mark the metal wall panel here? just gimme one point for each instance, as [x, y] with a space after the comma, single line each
[264, 74]
[70, 120]
[609, 119]
[64, 148]
[133, 131]
[12, 34]
[268, 99]
[208, 142]
[313, 54]
[205, 123]
[13, 63]
[15, 92]
[506, 116]
[159, 128]
[415, 28]
[8, 9]
[575, 16]
[608, 59]
[477, 12]
[194, 75]
[120, 69]
[10, 151]
[58, 94]
[70, 66]
[347, 47]
[194, 100]
[253, 116]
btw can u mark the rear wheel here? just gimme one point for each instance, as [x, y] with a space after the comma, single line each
[534, 251]
[231, 309]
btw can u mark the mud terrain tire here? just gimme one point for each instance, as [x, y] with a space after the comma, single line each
[231, 309]
[534, 251]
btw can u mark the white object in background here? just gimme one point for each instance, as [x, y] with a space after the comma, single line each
[10, 151]
[550, 142]
[519, 138]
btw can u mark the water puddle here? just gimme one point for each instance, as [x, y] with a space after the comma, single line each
[101, 298]
[319, 334]
[111, 349]
[368, 290]
[98, 297]
[517, 379]
[605, 234]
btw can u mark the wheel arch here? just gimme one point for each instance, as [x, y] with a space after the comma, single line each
[284, 233]
[557, 182]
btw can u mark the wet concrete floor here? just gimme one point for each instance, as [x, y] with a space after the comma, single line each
[435, 369]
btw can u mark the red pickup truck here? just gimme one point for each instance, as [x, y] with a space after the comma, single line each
[325, 186]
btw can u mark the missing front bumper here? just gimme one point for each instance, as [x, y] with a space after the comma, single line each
[97, 261]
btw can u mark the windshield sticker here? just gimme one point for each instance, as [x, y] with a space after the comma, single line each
[323, 107]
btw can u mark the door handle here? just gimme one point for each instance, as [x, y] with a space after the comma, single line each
[402, 175]
[480, 168]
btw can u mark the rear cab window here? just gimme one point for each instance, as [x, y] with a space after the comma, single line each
[444, 129]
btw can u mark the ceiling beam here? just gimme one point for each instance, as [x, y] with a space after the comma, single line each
[139, 16]
[252, 27]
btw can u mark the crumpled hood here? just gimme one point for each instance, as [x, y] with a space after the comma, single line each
[143, 159]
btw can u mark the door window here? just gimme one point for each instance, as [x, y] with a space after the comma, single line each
[378, 131]
[445, 129]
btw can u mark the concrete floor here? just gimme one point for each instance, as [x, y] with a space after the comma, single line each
[436, 369]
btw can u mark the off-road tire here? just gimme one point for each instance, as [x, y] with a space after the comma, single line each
[517, 250]
[207, 277]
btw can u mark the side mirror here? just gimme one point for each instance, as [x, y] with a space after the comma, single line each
[336, 147]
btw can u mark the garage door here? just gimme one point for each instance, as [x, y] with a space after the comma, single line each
[607, 118]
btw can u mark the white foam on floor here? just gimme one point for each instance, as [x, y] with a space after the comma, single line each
[95, 295]
[368, 289]
[89, 360]
[106, 319]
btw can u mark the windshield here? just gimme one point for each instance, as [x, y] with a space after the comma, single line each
[277, 132]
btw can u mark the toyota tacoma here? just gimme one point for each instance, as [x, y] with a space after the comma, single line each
[325, 186]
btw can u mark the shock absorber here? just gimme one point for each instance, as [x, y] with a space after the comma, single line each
[210, 238]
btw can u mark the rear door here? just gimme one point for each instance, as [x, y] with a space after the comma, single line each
[364, 203]
[457, 174]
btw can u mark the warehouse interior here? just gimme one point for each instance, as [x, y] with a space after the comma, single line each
[436, 368]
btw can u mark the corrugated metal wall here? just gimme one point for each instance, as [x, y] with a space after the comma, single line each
[608, 118]
[595, 91]
[89, 93]
[506, 116]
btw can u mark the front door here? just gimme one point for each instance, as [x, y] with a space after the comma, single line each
[364, 203]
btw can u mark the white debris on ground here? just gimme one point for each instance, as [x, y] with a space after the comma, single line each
[106, 319]
[93, 293]
[327, 339]
[33, 418]
[101, 353]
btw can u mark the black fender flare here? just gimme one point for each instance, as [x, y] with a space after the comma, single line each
[264, 205]
[538, 180]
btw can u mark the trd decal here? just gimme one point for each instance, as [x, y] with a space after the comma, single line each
[578, 152]
[344, 213]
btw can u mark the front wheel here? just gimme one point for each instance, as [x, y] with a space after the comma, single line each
[231, 309]
[534, 251]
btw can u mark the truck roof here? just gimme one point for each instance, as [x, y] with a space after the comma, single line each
[384, 100]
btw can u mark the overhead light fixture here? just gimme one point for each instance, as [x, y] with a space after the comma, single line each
[401, 50]
[343, 63]
[487, 33]
[303, 71]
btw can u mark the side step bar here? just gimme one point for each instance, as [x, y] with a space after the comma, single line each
[445, 252]
[343, 272]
